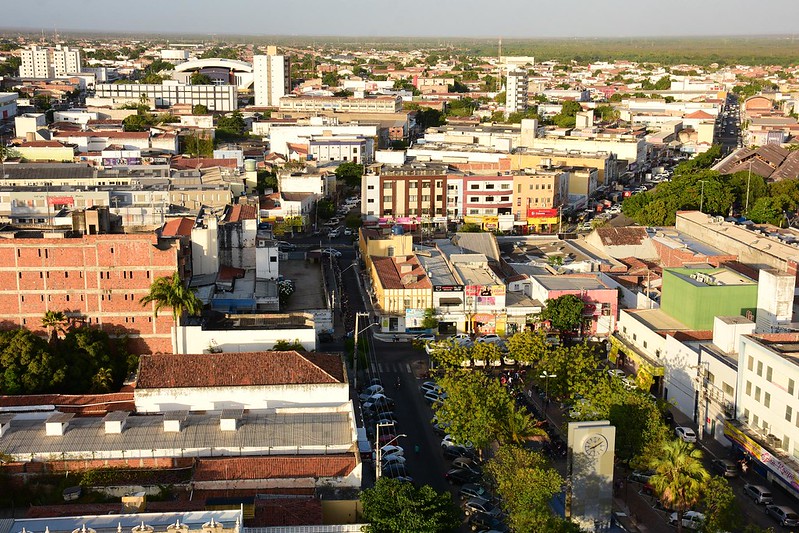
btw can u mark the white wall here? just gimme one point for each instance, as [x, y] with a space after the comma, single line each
[194, 339]
[247, 397]
[680, 363]
[640, 335]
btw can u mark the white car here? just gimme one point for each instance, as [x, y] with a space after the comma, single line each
[390, 449]
[330, 251]
[430, 386]
[347, 231]
[490, 338]
[690, 519]
[370, 391]
[686, 434]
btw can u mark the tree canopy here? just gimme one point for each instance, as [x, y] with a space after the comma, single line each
[350, 173]
[679, 476]
[565, 313]
[393, 506]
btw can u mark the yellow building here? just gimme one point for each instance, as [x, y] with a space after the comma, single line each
[402, 290]
[46, 151]
[605, 163]
[380, 243]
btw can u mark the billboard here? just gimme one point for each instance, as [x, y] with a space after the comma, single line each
[414, 318]
[542, 213]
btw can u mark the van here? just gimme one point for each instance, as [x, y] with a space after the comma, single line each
[758, 493]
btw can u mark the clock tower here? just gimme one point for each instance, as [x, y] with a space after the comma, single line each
[589, 497]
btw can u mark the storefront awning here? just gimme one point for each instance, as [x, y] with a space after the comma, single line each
[450, 301]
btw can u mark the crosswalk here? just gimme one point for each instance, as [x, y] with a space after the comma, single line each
[394, 368]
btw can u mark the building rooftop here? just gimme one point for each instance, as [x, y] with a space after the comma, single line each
[572, 282]
[657, 320]
[434, 264]
[286, 428]
[702, 276]
[238, 369]
[109, 523]
[400, 272]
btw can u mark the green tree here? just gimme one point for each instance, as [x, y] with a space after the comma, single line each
[331, 79]
[350, 173]
[284, 345]
[564, 313]
[325, 209]
[526, 485]
[529, 347]
[458, 87]
[172, 292]
[473, 407]
[470, 227]
[772, 210]
[199, 109]
[430, 321]
[198, 78]
[448, 354]
[231, 126]
[393, 506]
[152, 78]
[55, 322]
[720, 507]
[26, 364]
[789, 188]
[679, 476]
[606, 113]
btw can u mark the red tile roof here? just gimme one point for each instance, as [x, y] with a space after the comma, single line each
[241, 212]
[299, 148]
[177, 227]
[107, 134]
[85, 404]
[187, 163]
[238, 369]
[699, 114]
[391, 277]
[275, 466]
[41, 144]
[283, 511]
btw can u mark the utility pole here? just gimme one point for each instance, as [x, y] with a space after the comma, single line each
[748, 180]
[702, 195]
[355, 356]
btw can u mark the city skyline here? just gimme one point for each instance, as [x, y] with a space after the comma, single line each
[445, 19]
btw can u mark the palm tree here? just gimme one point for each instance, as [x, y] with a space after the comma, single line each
[170, 291]
[517, 428]
[55, 322]
[679, 476]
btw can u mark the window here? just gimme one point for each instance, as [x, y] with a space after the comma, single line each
[786, 442]
[387, 185]
[413, 185]
[489, 185]
[746, 417]
[412, 198]
[504, 186]
[489, 198]
[518, 201]
[635, 336]
[768, 373]
[474, 186]
[273, 259]
[757, 394]
[760, 368]
[727, 389]
[790, 386]
[439, 184]
[755, 420]
[750, 363]
[439, 198]
[474, 199]
[504, 198]
[644, 344]
[767, 399]
[748, 388]
[788, 413]
[519, 188]
[425, 197]
[710, 377]
[387, 198]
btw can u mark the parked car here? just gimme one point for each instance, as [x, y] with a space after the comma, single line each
[486, 522]
[489, 338]
[467, 463]
[725, 467]
[392, 460]
[332, 234]
[348, 231]
[371, 390]
[430, 386]
[759, 493]
[783, 514]
[474, 490]
[395, 471]
[284, 246]
[481, 505]
[641, 476]
[685, 433]
[449, 441]
[425, 337]
[371, 397]
[392, 450]
[460, 476]
[456, 450]
[435, 397]
[330, 251]
[690, 520]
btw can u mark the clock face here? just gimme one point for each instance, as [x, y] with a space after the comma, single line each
[595, 445]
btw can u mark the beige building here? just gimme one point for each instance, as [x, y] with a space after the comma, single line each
[374, 243]
[45, 151]
[374, 104]
[400, 285]
[604, 162]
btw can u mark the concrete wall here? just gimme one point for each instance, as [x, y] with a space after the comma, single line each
[193, 339]
[245, 397]
[679, 377]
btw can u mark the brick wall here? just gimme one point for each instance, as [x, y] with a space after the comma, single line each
[96, 279]
[679, 257]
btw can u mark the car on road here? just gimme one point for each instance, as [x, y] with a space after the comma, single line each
[370, 391]
[467, 463]
[490, 338]
[486, 522]
[725, 467]
[456, 450]
[641, 476]
[372, 396]
[348, 231]
[425, 337]
[474, 490]
[690, 519]
[685, 433]
[284, 246]
[481, 505]
[430, 386]
[759, 493]
[377, 404]
[460, 476]
[783, 514]
[392, 450]
[330, 251]
[332, 234]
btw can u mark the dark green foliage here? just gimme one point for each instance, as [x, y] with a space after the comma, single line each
[350, 173]
[393, 506]
[231, 127]
[353, 220]
[199, 109]
[198, 78]
[266, 180]
[86, 360]
[564, 312]
[221, 52]
[325, 209]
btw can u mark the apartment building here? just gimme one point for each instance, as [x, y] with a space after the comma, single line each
[272, 79]
[516, 91]
[405, 192]
[487, 196]
[95, 280]
[214, 97]
[537, 196]
[44, 63]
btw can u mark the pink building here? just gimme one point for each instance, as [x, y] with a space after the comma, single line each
[601, 301]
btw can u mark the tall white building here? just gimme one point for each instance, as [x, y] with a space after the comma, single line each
[516, 91]
[272, 75]
[49, 62]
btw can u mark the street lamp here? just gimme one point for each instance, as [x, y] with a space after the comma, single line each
[380, 448]
[545, 376]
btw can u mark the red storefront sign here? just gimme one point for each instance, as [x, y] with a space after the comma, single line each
[542, 213]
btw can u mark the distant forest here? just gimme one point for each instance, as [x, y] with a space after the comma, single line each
[730, 50]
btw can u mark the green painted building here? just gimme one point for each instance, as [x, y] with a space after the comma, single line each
[694, 296]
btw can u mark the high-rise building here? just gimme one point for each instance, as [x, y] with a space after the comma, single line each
[516, 91]
[272, 74]
[49, 62]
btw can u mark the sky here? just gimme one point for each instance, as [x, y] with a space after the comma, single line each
[414, 18]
